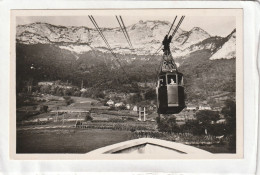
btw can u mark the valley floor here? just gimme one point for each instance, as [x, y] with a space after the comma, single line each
[74, 140]
[65, 132]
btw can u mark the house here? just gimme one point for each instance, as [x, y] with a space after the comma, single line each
[191, 108]
[119, 104]
[217, 108]
[204, 108]
[221, 121]
[45, 83]
[135, 109]
[110, 102]
[128, 106]
[151, 108]
[83, 90]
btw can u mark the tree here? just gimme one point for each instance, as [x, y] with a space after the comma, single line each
[206, 118]
[229, 112]
[150, 94]
[53, 90]
[88, 117]
[192, 126]
[99, 94]
[77, 93]
[167, 124]
[68, 100]
[67, 92]
[45, 89]
[44, 109]
[135, 98]
[123, 107]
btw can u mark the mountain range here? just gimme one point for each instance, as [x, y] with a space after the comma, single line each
[77, 54]
[146, 38]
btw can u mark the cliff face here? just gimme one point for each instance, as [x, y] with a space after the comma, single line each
[79, 53]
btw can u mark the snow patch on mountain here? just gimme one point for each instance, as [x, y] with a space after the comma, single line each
[54, 34]
[146, 37]
[207, 44]
[76, 48]
[228, 50]
[192, 37]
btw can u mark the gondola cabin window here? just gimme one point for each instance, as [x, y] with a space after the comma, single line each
[162, 81]
[172, 80]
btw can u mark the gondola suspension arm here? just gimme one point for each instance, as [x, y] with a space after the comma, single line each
[157, 51]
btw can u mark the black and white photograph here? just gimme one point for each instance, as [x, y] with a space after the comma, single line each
[162, 82]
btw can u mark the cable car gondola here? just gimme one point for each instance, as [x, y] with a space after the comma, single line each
[170, 91]
[170, 87]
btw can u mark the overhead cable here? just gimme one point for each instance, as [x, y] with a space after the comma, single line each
[126, 31]
[158, 50]
[101, 34]
[177, 27]
[103, 37]
[123, 30]
[172, 25]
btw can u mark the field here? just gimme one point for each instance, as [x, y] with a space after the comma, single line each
[67, 140]
[41, 132]
[50, 131]
[80, 140]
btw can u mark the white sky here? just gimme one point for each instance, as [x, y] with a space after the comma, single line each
[214, 25]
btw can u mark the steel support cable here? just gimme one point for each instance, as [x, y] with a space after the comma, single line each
[106, 64]
[101, 34]
[123, 31]
[98, 28]
[173, 33]
[95, 25]
[126, 31]
[94, 51]
[103, 37]
[172, 25]
[177, 27]
[159, 49]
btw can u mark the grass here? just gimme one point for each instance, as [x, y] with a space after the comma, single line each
[99, 133]
[216, 148]
[82, 140]
[67, 140]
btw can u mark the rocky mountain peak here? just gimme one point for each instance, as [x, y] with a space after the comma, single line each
[146, 37]
[199, 30]
[228, 49]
